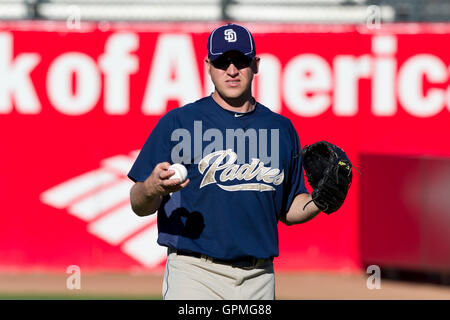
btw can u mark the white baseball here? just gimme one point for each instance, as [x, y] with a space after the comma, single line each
[180, 172]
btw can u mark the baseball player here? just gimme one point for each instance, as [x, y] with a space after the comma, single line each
[245, 174]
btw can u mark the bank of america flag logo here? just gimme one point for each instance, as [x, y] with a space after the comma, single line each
[101, 198]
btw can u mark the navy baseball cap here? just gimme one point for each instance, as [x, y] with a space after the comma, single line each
[230, 37]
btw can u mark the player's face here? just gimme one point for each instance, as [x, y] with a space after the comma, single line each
[232, 75]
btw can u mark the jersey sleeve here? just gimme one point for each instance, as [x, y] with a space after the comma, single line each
[296, 179]
[157, 148]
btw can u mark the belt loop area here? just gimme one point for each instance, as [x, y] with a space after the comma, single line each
[174, 252]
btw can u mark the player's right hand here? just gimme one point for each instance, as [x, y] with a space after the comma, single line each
[159, 182]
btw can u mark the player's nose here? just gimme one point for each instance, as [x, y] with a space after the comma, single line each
[232, 71]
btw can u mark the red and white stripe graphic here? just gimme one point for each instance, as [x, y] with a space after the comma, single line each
[101, 198]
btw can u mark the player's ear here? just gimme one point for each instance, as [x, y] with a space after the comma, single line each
[208, 65]
[255, 64]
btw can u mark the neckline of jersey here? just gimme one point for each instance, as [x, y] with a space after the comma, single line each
[234, 113]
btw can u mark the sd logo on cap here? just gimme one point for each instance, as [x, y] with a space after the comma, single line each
[230, 37]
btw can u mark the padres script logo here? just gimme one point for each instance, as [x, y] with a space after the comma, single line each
[232, 171]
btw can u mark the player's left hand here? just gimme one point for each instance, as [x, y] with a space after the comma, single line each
[329, 172]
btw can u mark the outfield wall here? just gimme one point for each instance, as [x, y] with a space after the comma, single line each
[77, 104]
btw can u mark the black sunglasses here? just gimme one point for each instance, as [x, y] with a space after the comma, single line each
[239, 62]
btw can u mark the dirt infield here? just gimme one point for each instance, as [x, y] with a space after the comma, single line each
[301, 286]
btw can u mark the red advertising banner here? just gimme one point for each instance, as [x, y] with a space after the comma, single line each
[76, 105]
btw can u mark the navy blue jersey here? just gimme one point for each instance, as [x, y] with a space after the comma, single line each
[244, 170]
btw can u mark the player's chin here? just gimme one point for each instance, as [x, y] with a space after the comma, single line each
[232, 93]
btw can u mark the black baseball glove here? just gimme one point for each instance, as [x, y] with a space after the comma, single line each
[329, 172]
